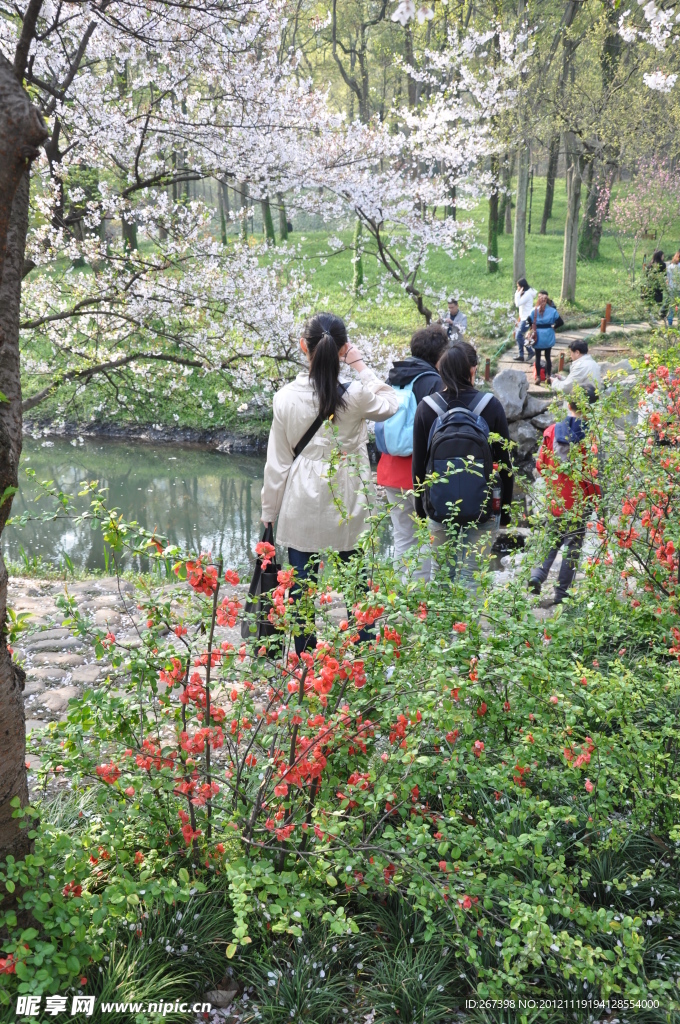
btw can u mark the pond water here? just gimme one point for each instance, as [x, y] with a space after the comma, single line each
[198, 499]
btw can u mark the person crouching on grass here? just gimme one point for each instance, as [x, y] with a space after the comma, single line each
[571, 490]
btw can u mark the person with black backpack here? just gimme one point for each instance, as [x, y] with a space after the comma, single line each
[462, 435]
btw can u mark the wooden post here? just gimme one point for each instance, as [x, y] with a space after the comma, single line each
[561, 362]
[603, 325]
[487, 370]
[608, 312]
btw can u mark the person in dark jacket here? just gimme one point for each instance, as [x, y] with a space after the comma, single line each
[457, 369]
[394, 471]
[542, 322]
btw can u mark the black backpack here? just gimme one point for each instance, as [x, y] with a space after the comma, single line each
[458, 445]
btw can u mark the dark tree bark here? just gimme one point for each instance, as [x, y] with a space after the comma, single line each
[553, 157]
[22, 131]
[267, 222]
[494, 222]
[283, 219]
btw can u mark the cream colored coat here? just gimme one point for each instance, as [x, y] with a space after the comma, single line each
[316, 510]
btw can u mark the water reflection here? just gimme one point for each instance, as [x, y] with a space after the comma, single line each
[200, 500]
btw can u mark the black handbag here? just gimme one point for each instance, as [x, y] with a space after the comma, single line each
[255, 623]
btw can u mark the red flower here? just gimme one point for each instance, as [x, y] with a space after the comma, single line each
[232, 577]
[281, 789]
[477, 747]
[7, 965]
[266, 552]
[459, 627]
[506, 705]
[108, 773]
[482, 709]
[465, 902]
[443, 866]
[71, 889]
[589, 786]
[139, 857]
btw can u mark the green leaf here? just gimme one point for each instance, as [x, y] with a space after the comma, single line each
[73, 963]
[231, 950]
[9, 885]
[3, 397]
[183, 875]
[332, 880]
[8, 493]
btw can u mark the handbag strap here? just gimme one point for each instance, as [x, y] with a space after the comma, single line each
[314, 427]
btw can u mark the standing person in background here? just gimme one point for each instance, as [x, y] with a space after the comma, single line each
[394, 471]
[563, 463]
[543, 320]
[297, 489]
[455, 322]
[524, 300]
[458, 369]
[673, 286]
[654, 288]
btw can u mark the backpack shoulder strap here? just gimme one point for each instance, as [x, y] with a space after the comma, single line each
[481, 405]
[315, 426]
[437, 403]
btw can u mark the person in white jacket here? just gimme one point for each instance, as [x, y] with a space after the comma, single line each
[524, 300]
[318, 506]
[584, 370]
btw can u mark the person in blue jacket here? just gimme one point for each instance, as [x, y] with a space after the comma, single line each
[542, 322]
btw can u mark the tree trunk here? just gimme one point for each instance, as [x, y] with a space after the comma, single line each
[505, 212]
[519, 241]
[129, 228]
[267, 222]
[358, 262]
[244, 211]
[13, 839]
[553, 157]
[22, 131]
[591, 225]
[494, 222]
[574, 178]
[283, 219]
[223, 216]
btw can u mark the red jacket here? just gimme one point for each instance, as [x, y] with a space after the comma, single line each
[395, 471]
[560, 486]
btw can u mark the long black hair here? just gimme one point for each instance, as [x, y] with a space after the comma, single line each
[325, 335]
[456, 365]
[523, 284]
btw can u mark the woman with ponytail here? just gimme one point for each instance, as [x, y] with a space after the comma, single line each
[298, 490]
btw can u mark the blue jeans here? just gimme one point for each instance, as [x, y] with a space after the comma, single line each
[520, 335]
[306, 565]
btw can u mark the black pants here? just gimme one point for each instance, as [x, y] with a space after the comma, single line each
[573, 541]
[306, 564]
[548, 362]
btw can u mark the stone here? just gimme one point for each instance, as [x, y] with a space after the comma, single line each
[106, 617]
[525, 436]
[51, 674]
[510, 388]
[87, 673]
[35, 723]
[66, 643]
[63, 659]
[52, 634]
[57, 700]
[33, 686]
[542, 422]
[533, 407]
[220, 998]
